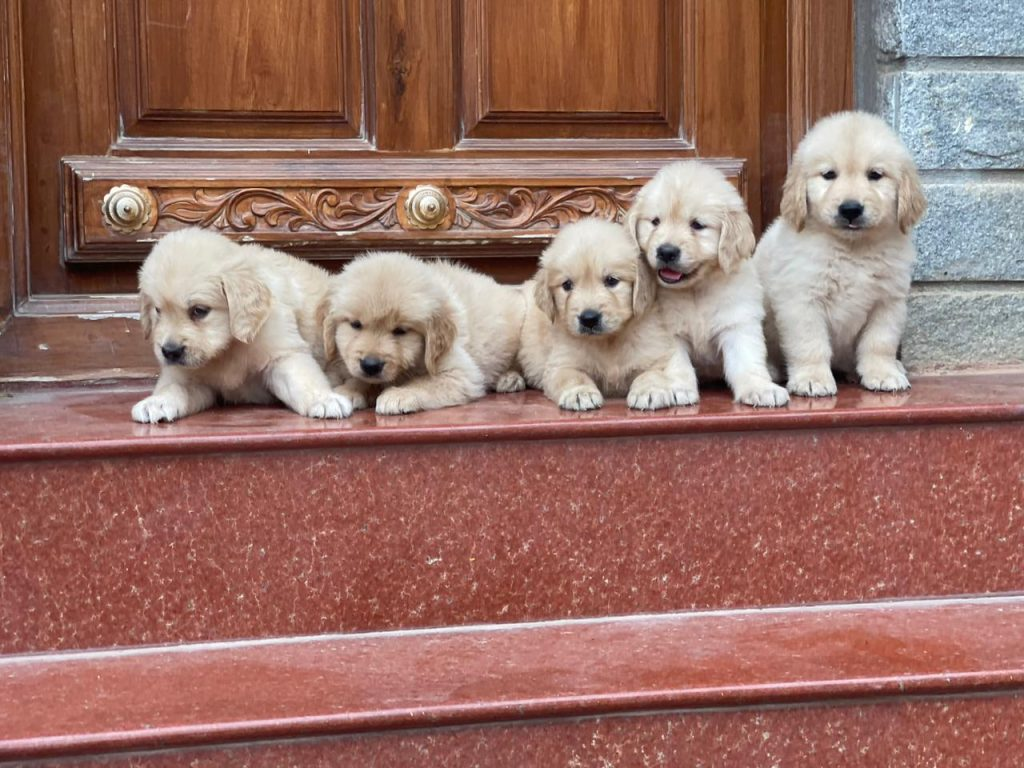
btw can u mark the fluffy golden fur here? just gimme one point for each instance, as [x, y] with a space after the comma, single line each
[696, 237]
[589, 331]
[836, 265]
[415, 335]
[232, 321]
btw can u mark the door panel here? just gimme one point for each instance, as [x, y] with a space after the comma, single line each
[219, 69]
[598, 69]
[310, 124]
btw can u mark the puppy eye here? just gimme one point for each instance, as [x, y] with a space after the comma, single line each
[399, 331]
[198, 312]
[829, 175]
[356, 324]
[567, 286]
[875, 175]
[697, 226]
[611, 281]
[655, 221]
[157, 309]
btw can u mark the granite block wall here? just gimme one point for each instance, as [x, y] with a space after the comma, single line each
[949, 76]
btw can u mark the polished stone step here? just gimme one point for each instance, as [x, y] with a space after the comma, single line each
[254, 522]
[625, 689]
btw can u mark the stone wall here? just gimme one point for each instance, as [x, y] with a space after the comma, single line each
[949, 76]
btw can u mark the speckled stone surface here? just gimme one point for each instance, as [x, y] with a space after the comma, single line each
[960, 119]
[120, 551]
[982, 732]
[991, 248]
[945, 321]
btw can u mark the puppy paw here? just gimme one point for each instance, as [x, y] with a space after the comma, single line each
[510, 381]
[884, 376]
[581, 398]
[355, 396]
[655, 398]
[155, 409]
[331, 406]
[766, 395]
[813, 384]
[396, 401]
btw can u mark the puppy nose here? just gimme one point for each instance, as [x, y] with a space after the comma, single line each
[850, 210]
[371, 365]
[590, 318]
[668, 253]
[173, 353]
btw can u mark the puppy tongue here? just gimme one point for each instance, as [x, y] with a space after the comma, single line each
[670, 275]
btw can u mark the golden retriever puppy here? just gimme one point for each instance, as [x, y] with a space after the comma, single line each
[696, 236]
[416, 335]
[590, 334]
[232, 321]
[836, 265]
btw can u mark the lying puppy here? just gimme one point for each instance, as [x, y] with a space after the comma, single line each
[590, 334]
[836, 266]
[415, 335]
[694, 231]
[231, 321]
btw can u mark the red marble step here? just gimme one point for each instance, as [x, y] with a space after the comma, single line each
[253, 522]
[52, 423]
[75, 704]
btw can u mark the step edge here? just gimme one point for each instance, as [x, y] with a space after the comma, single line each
[989, 675]
[649, 426]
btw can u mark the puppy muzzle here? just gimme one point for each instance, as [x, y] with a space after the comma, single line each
[590, 322]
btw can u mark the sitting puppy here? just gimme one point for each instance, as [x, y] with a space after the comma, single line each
[590, 334]
[694, 231]
[415, 335]
[231, 321]
[836, 266]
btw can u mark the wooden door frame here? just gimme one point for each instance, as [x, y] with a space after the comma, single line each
[809, 76]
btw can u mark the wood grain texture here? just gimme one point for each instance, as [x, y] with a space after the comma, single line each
[77, 704]
[575, 69]
[285, 69]
[414, 75]
[820, 44]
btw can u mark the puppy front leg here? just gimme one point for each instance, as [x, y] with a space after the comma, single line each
[803, 333]
[361, 393]
[674, 383]
[298, 381]
[572, 389]
[174, 397]
[877, 365]
[460, 382]
[744, 362]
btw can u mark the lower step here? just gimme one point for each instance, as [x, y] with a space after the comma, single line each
[655, 683]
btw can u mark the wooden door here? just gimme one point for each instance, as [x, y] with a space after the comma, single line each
[329, 126]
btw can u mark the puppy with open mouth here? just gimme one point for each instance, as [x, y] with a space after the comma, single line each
[696, 238]
[590, 332]
[836, 266]
[413, 335]
[234, 322]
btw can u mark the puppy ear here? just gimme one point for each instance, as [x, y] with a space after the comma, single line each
[794, 198]
[736, 242]
[645, 288]
[910, 200]
[329, 328]
[633, 218]
[542, 294]
[442, 330]
[146, 315]
[248, 303]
